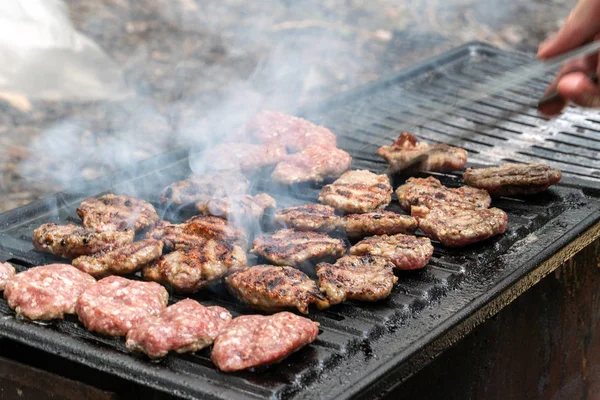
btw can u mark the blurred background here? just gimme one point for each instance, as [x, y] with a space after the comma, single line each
[89, 86]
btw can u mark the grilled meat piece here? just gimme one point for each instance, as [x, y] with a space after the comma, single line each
[313, 164]
[72, 241]
[419, 195]
[378, 223]
[358, 192]
[189, 269]
[290, 247]
[356, 278]
[184, 327]
[460, 227]
[293, 133]
[244, 157]
[196, 230]
[114, 305]
[120, 212]
[240, 210]
[120, 261]
[7, 271]
[270, 288]
[513, 179]
[254, 340]
[205, 187]
[308, 217]
[406, 252]
[46, 292]
[407, 153]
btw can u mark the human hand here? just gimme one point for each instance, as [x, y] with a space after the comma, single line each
[573, 82]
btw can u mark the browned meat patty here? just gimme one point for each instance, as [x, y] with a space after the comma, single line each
[356, 278]
[513, 179]
[121, 260]
[239, 210]
[358, 192]
[418, 195]
[290, 247]
[407, 153]
[114, 305]
[46, 292]
[197, 229]
[255, 340]
[293, 133]
[313, 164]
[378, 223]
[406, 252]
[72, 241]
[244, 157]
[270, 288]
[205, 187]
[189, 269]
[184, 327]
[308, 217]
[7, 271]
[120, 212]
[460, 227]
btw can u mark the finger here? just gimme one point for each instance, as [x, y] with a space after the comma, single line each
[586, 65]
[581, 27]
[554, 107]
[579, 88]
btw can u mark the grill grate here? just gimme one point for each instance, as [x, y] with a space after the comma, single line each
[362, 347]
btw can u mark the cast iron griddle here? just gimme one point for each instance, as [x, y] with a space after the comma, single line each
[363, 349]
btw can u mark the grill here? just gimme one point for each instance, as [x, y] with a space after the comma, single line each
[363, 349]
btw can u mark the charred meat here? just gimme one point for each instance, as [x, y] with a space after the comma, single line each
[308, 217]
[313, 164]
[290, 247]
[120, 212]
[356, 278]
[255, 340]
[270, 288]
[513, 179]
[358, 192]
[189, 269]
[378, 223]
[406, 252]
[244, 157]
[184, 327]
[121, 260]
[240, 210]
[408, 154]
[72, 241]
[419, 195]
[455, 227]
[205, 187]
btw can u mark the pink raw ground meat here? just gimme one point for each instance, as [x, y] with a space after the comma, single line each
[7, 271]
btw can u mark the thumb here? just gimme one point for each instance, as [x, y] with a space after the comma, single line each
[581, 26]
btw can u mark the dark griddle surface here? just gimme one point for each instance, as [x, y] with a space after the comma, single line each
[362, 347]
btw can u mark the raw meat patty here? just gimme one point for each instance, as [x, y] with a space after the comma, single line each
[513, 179]
[459, 227]
[189, 269]
[356, 278]
[184, 327]
[120, 212]
[358, 192]
[406, 252]
[313, 164]
[72, 241]
[120, 261]
[244, 157]
[205, 187]
[46, 292]
[254, 340]
[270, 288]
[240, 210]
[114, 305]
[308, 217]
[7, 271]
[378, 223]
[290, 247]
